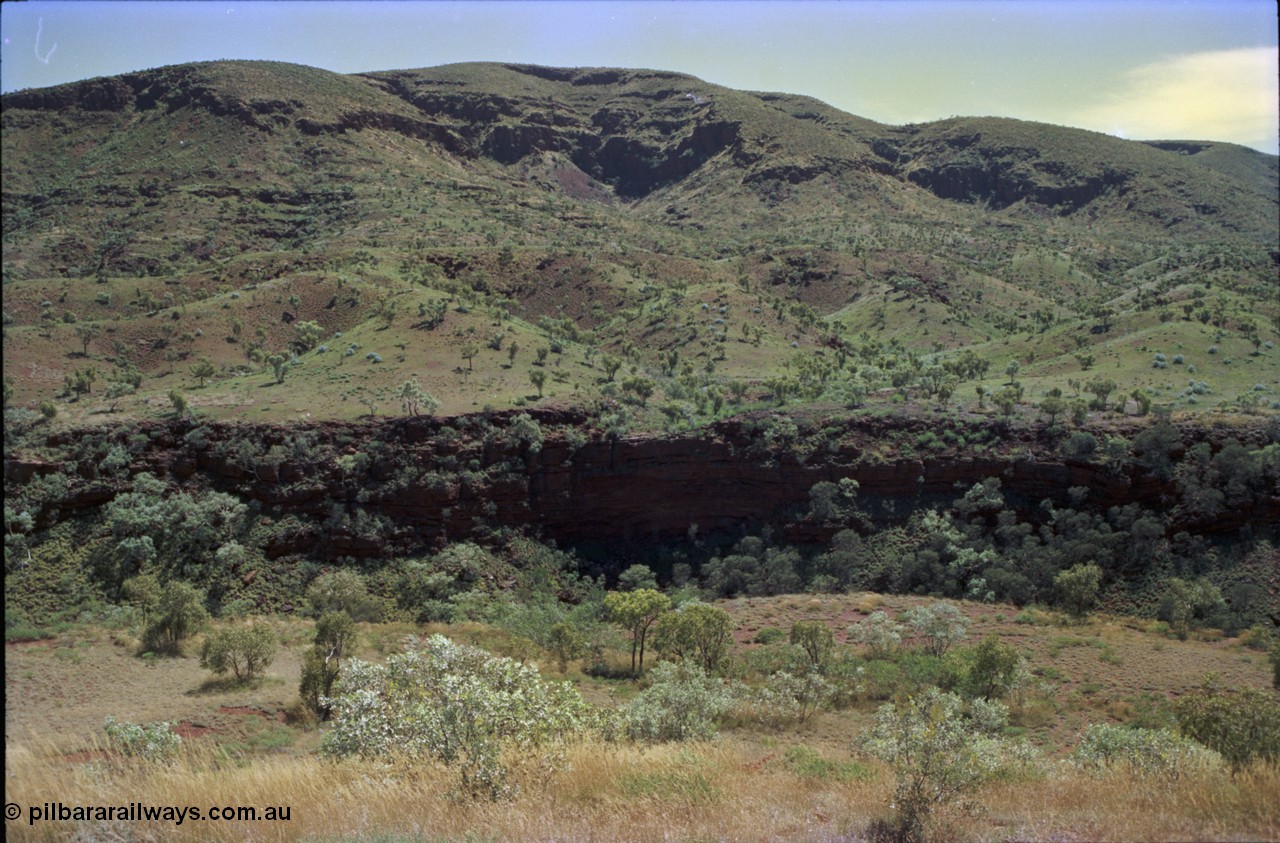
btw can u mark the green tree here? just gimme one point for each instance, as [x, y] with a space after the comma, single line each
[642, 387]
[537, 377]
[1053, 406]
[279, 365]
[179, 614]
[993, 670]
[637, 576]
[695, 631]
[322, 664]
[567, 643]
[611, 365]
[1077, 588]
[87, 332]
[815, 638]
[117, 390]
[1188, 601]
[245, 650]
[469, 352]
[143, 593]
[636, 611]
[308, 335]
[682, 703]
[414, 399]
[202, 369]
[1101, 388]
[342, 591]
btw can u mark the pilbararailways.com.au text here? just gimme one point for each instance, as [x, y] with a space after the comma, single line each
[138, 812]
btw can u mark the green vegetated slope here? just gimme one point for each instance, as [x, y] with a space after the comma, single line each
[689, 231]
[671, 341]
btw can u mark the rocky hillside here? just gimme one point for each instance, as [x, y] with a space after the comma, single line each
[198, 215]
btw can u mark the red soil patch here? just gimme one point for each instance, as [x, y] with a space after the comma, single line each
[187, 730]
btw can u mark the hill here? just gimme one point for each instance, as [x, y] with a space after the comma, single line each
[700, 236]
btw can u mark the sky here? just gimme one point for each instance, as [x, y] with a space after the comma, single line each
[1142, 69]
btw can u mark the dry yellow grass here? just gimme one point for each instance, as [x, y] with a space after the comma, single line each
[605, 792]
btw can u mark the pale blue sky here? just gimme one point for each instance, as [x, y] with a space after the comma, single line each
[1204, 69]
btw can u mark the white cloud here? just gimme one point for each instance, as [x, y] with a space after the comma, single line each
[1226, 95]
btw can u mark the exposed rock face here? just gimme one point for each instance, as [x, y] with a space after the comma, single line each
[725, 480]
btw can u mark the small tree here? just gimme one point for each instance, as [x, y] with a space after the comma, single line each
[636, 611]
[143, 593]
[469, 352]
[322, 664]
[537, 377]
[202, 369]
[279, 365]
[1101, 388]
[611, 365]
[641, 386]
[815, 638]
[179, 613]
[117, 390]
[87, 332]
[1187, 601]
[414, 399]
[941, 625]
[454, 704]
[1077, 588]
[244, 650]
[695, 631]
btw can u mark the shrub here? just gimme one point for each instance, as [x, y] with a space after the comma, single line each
[939, 751]
[683, 703]
[1080, 445]
[245, 650]
[152, 742]
[452, 703]
[880, 633]
[770, 635]
[1146, 752]
[1241, 725]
